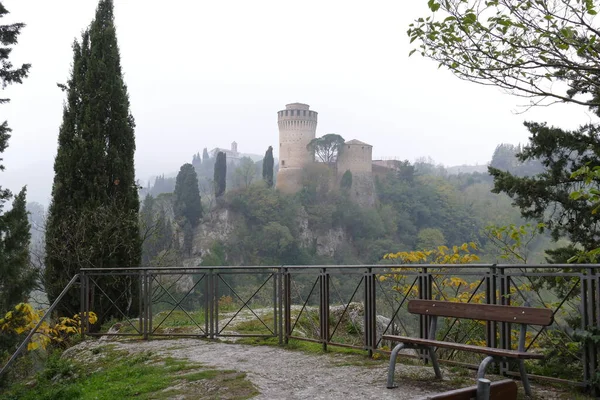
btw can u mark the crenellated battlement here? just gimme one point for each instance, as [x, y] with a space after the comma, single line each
[297, 115]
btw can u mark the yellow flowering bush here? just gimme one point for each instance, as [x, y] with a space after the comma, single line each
[25, 317]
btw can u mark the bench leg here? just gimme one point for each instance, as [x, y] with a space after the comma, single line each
[524, 378]
[392, 369]
[483, 366]
[434, 361]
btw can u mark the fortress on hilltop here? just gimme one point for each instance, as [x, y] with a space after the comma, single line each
[297, 127]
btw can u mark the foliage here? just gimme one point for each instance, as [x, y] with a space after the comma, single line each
[506, 158]
[346, 181]
[157, 233]
[520, 46]
[430, 238]
[111, 374]
[514, 241]
[327, 147]
[24, 318]
[268, 162]
[547, 197]
[220, 174]
[205, 156]
[245, 172]
[188, 204]
[93, 216]
[16, 276]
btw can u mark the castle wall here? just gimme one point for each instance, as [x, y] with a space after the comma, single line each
[355, 157]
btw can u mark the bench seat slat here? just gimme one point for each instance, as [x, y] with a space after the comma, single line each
[483, 312]
[466, 347]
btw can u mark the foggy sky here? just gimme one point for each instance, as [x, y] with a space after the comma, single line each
[205, 73]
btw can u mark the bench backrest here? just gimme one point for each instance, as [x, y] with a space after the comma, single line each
[482, 312]
[501, 390]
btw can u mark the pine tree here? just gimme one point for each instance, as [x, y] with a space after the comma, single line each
[220, 175]
[188, 204]
[205, 156]
[93, 216]
[268, 163]
[16, 276]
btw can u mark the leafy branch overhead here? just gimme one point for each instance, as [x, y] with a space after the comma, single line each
[523, 47]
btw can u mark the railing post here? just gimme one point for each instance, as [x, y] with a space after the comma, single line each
[287, 286]
[150, 277]
[425, 285]
[82, 310]
[370, 315]
[490, 298]
[589, 320]
[505, 327]
[210, 303]
[324, 307]
[279, 288]
[142, 303]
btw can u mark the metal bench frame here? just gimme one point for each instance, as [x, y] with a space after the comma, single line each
[427, 307]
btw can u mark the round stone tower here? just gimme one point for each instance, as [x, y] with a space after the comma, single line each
[297, 127]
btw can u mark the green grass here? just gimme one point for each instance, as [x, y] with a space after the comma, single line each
[109, 374]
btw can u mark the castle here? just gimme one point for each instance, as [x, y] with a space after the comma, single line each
[297, 127]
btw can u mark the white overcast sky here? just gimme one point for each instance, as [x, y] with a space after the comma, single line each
[205, 73]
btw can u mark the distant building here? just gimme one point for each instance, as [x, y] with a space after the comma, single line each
[233, 155]
[297, 127]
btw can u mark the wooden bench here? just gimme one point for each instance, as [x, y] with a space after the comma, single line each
[482, 312]
[501, 390]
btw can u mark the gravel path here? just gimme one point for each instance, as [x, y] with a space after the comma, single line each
[284, 374]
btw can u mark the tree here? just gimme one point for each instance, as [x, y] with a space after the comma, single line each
[245, 172]
[346, 181]
[520, 46]
[268, 163]
[327, 148]
[93, 216]
[525, 47]
[220, 175]
[205, 156]
[547, 197]
[430, 238]
[16, 277]
[188, 204]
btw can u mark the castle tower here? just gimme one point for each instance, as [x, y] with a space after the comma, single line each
[297, 127]
[357, 157]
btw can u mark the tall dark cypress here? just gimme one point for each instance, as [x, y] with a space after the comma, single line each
[188, 204]
[93, 219]
[220, 174]
[16, 276]
[268, 163]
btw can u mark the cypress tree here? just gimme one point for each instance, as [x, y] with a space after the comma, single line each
[16, 276]
[346, 181]
[220, 174]
[205, 156]
[93, 216]
[188, 204]
[268, 163]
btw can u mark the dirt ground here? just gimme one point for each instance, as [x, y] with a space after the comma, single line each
[279, 373]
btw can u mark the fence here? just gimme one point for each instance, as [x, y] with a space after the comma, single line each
[351, 306]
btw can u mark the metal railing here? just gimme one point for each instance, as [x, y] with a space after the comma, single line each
[350, 306]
